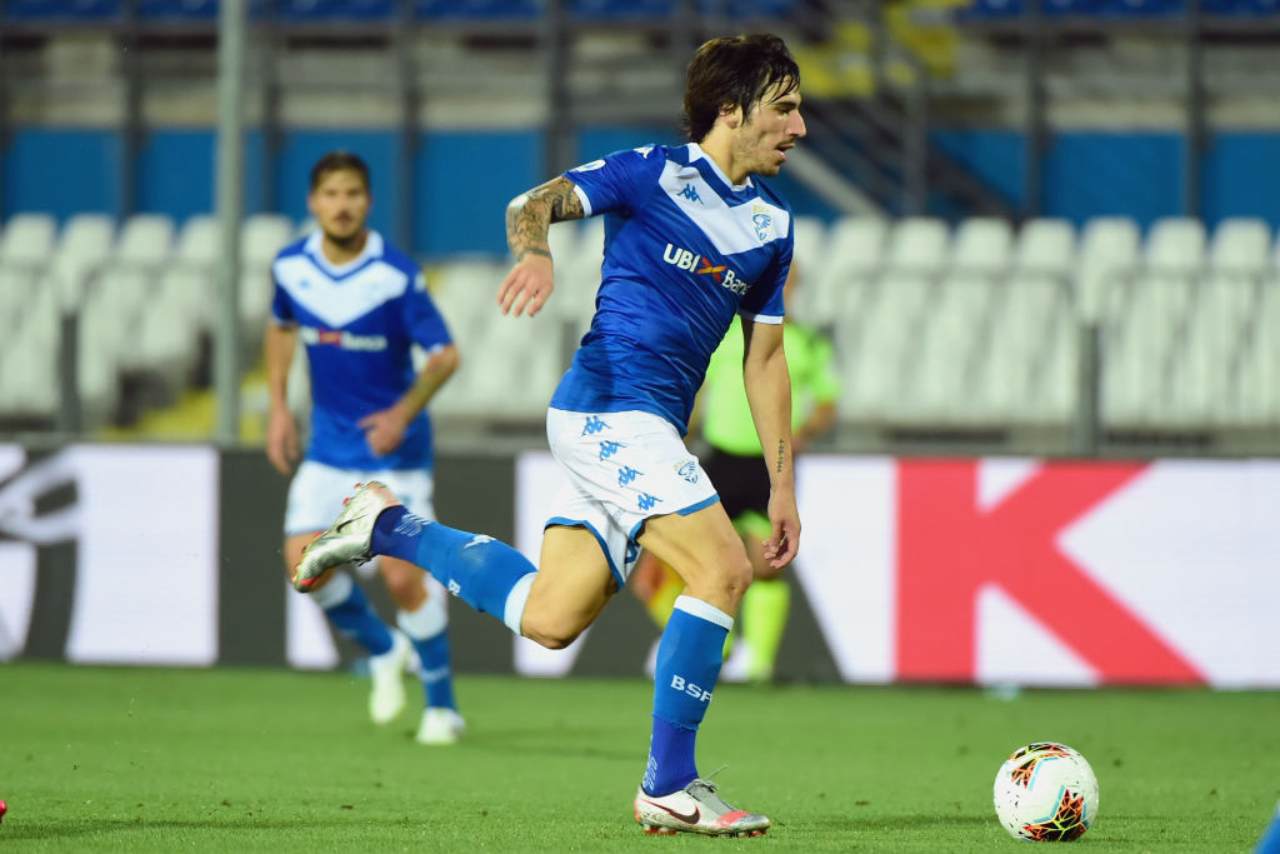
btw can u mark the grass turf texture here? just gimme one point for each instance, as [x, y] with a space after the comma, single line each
[223, 760]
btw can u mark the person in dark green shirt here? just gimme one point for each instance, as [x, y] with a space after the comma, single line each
[736, 467]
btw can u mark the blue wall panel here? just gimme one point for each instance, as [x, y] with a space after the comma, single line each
[465, 179]
[1242, 176]
[61, 172]
[1138, 175]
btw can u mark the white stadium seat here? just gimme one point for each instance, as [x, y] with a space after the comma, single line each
[1046, 247]
[856, 251]
[27, 240]
[146, 241]
[1175, 245]
[1240, 246]
[261, 237]
[982, 245]
[918, 245]
[198, 242]
[1108, 256]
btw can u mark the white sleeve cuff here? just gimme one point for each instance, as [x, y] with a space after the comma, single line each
[582, 197]
[775, 319]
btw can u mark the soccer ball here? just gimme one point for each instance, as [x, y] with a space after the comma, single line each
[1046, 792]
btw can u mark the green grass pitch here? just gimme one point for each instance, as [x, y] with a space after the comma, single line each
[231, 760]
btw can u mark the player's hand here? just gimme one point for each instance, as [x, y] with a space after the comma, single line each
[282, 440]
[527, 286]
[780, 549]
[384, 430]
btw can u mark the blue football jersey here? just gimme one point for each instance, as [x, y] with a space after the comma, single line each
[684, 250]
[358, 322]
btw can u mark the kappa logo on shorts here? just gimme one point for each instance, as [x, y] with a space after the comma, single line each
[478, 540]
[593, 425]
[626, 474]
[646, 501]
[688, 470]
[608, 448]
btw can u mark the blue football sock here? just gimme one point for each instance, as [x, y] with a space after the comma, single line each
[689, 658]
[345, 605]
[427, 628]
[487, 574]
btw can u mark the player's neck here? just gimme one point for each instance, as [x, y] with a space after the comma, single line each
[339, 252]
[719, 147]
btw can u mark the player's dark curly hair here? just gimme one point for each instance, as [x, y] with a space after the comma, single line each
[734, 71]
[338, 161]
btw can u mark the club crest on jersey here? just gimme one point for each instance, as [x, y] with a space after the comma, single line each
[762, 221]
[683, 259]
[688, 471]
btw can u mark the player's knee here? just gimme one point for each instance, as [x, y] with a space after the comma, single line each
[553, 634]
[407, 592]
[737, 577]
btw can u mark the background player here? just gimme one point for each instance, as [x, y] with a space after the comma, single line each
[690, 241]
[734, 466]
[359, 306]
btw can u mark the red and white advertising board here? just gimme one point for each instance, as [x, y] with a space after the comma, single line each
[1022, 571]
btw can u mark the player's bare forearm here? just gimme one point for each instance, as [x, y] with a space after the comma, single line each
[439, 368]
[530, 215]
[279, 346]
[764, 372]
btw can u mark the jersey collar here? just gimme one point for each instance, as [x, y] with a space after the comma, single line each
[372, 249]
[696, 153]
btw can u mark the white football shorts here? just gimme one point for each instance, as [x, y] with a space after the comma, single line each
[317, 490]
[622, 468]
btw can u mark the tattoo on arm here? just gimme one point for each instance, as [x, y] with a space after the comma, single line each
[530, 215]
[782, 454]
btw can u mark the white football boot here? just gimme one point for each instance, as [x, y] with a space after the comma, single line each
[350, 537]
[386, 672]
[440, 727]
[696, 809]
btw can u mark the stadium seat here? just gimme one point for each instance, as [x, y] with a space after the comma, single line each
[581, 279]
[982, 245]
[1176, 245]
[145, 242]
[477, 9]
[261, 237]
[918, 245]
[1108, 258]
[811, 305]
[876, 347]
[1240, 246]
[27, 241]
[855, 255]
[322, 10]
[53, 10]
[198, 242]
[1046, 247]
[85, 244]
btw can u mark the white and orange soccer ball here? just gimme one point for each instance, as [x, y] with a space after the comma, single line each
[1046, 792]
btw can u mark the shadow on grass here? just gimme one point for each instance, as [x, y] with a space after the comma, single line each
[87, 827]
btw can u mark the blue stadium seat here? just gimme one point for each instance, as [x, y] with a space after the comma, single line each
[1256, 8]
[621, 9]
[477, 9]
[992, 9]
[53, 10]
[329, 10]
[199, 10]
[1142, 8]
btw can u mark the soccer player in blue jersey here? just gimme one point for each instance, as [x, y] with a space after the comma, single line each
[691, 239]
[359, 305]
